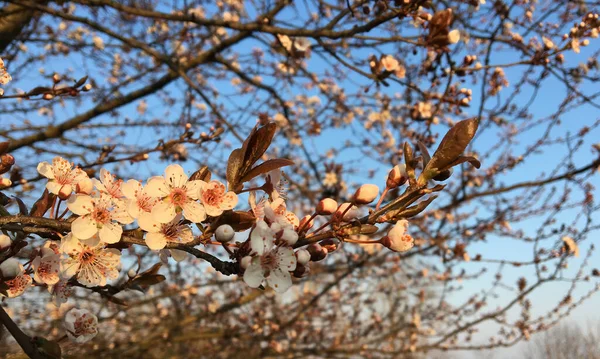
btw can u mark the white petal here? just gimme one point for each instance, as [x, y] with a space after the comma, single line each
[175, 176]
[193, 188]
[53, 187]
[279, 280]
[131, 188]
[157, 187]
[68, 269]
[194, 211]
[156, 241]
[261, 239]
[148, 223]
[287, 259]
[163, 212]
[80, 204]
[70, 244]
[84, 227]
[111, 233]
[254, 274]
[178, 255]
[46, 170]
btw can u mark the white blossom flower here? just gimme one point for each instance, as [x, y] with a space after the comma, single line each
[215, 199]
[108, 185]
[177, 254]
[276, 211]
[63, 177]
[19, 281]
[159, 234]
[139, 202]
[60, 292]
[4, 75]
[92, 265]
[177, 194]
[397, 239]
[271, 263]
[98, 215]
[46, 267]
[389, 63]
[331, 179]
[81, 325]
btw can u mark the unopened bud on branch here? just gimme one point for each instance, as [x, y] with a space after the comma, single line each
[366, 194]
[397, 176]
[224, 233]
[317, 253]
[327, 206]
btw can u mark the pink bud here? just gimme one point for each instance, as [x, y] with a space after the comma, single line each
[5, 182]
[330, 244]
[84, 186]
[301, 271]
[224, 233]
[366, 194]
[289, 236]
[5, 242]
[65, 192]
[303, 256]
[397, 239]
[10, 268]
[397, 176]
[327, 206]
[317, 253]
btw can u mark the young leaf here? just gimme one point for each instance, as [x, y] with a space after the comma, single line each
[265, 167]
[238, 220]
[234, 164]
[42, 205]
[203, 174]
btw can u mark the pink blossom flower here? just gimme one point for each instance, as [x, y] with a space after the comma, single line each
[215, 199]
[270, 262]
[177, 195]
[46, 267]
[63, 177]
[60, 292]
[108, 185]
[92, 265]
[139, 203]
[19, 281]
[397, 239]
[98, 215]
[81, 325]
[159, 234]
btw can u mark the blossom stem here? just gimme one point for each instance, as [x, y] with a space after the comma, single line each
[385, 191]
[57, 208]
[360, 241]
[322, 227]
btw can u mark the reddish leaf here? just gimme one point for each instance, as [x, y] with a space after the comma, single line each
[265, 167]
[42, 205]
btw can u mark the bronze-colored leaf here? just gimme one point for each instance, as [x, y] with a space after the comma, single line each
[148, 280]
[411, 211]
[22, 207]
[80, 82]
[234, 165]
[116, 300]
[424, 153]
[368, 229]
[43, 204]
[153, 270]
[39, 90]
[265, 167]
[257, 143]
[48, 348]
[238, 220]
[462, 159]
[203, 174]
[451, 148]
[4, 147]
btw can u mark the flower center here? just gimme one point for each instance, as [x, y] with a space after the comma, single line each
[86, 257]
[213, 196]
[178, 197]
[145, 203]
[269, 261]
[101, 215]
[171, 231]
[84, 325]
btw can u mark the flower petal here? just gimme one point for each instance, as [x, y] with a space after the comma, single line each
[175, 176]
[157, 187]
[230, 200]
[156, 241]
[279, 280]
[80, 204]
[287, 259]
[148, 223]
[46, 170]
[84, 227]
[110, 233]
[194, 211]
[261, 239]
[254, 274]
[53, 187]
[131, 188]
[163, 212]
[178, 255]
[193, 188]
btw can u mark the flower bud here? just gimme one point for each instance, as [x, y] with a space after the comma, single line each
[10, 268]
[305, 224]
[87, 87]
[317, 253]
[5, 242]
[327, 206]
[302, 256]
[397, 176]
[84, 186]
[5, 182]
[330, 244]
[245, 262]
[289, 236]
[65, 192]
[366, 194]
[397, 239]
[224, 233]
[349, 214]
[453, 36]
[301, 271]
[131, 273]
